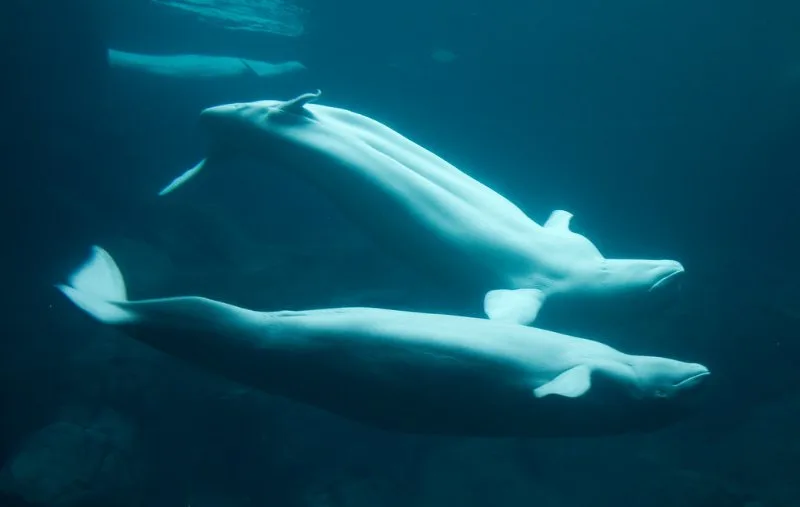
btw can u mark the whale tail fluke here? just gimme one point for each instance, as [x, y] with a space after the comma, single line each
[97, 287]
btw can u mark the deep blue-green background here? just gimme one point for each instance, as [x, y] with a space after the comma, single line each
[668, 128]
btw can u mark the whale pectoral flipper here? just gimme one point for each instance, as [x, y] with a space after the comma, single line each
[559, 219]
[519, 306]
[183, 178]
[572, 383]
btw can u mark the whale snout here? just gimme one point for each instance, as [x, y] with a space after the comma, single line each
[638, 275]
[697, 379]
[667, 276]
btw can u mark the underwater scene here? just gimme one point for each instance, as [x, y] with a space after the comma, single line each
[316, 253]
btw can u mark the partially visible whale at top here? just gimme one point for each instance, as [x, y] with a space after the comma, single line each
[422, 207]
[199, 67]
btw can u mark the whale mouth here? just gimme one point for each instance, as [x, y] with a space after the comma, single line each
[694, 380]
[667, 280]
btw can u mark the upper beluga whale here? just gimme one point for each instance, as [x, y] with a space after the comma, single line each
[424, 208]
[406, 371]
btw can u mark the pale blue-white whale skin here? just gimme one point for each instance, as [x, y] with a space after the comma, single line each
[199, 67]
[405, 371]
[420, 206]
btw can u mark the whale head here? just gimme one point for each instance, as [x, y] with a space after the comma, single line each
[641, 393]
[583, 269]
[636, 276]
[661, 378]
[611, 393]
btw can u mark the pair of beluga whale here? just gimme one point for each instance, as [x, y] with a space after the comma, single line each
[412, 371]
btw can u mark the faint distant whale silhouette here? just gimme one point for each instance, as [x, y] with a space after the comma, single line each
[199, 67]
[405, 371]
[425, 209]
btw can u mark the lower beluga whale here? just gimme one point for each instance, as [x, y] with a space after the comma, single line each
[425, 209]
[405, 371]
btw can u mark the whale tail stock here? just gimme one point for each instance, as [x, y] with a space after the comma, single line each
[97, 287]
[198, 330]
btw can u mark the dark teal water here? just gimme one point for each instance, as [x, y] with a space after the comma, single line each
[667, 128]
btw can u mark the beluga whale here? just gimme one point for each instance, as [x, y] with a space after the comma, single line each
[423, 208]
[403, 371]
[199, 67]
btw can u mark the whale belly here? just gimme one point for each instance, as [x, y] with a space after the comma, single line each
[398, 375]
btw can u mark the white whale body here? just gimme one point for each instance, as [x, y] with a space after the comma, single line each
[425, 209]
[198, 66]
[405, 371]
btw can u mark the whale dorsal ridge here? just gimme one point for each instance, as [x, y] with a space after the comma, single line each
[559, 219]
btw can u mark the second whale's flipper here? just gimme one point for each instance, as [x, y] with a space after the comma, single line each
[573, 383]
[183, 178]
[518, 306]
